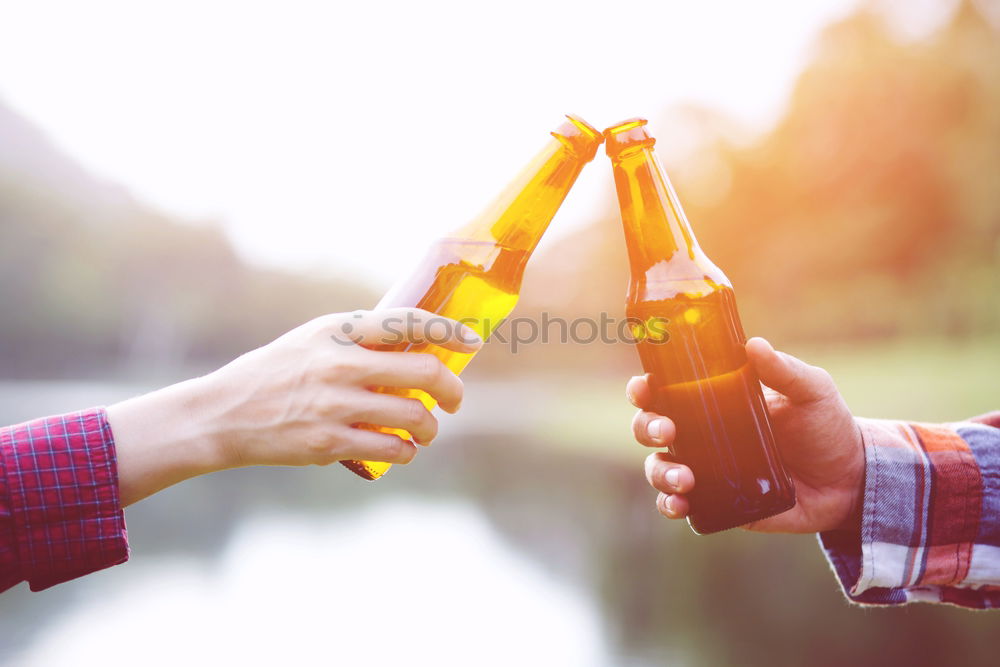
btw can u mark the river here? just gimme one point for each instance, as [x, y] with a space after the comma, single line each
[493, 548]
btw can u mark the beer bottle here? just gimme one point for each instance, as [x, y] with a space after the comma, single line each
[691, 344]
[474, 274]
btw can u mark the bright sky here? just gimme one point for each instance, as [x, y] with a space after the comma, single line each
[342, 136]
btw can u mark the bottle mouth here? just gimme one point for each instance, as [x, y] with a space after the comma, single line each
[579, 136]
[627, 137]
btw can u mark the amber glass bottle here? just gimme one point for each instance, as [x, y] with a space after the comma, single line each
[691, 342]
[474, 274]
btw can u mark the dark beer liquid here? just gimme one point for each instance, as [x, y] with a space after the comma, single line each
[476, 282]
[702, 381]
[698, 366]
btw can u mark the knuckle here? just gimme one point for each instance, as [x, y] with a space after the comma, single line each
[398, 450]
[327, 323]
[639, 425]
[415, 412]
[328, 320]
[430, 369]
[824, 378]
[393, 448]
[404, 451]
[419, 418]
[351, 364]
[344, 328]
[797, 383]
[321, 449]
[320, 322]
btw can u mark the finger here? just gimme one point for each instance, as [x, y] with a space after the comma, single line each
[653, 430]
[672, 506]
[366, 445]
[665, 475]
[638, 392]
[401, 326]
[794, 378]
[391, 411]
[405, 370]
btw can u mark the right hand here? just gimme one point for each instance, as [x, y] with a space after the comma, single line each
[300, 399]
[819, 441]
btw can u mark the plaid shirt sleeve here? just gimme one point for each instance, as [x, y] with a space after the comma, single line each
[930, 526]
[60, 514]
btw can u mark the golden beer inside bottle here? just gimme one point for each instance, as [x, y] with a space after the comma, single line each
[476, 282]
[474, 275]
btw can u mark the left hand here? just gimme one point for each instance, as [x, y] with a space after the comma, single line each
[819, 441]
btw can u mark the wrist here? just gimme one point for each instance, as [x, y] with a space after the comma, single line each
[209, 400]
[855, 488]
[193, 405]
[165, 437]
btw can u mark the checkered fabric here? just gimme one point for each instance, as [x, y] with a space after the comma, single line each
[930, 527]
[60, 514]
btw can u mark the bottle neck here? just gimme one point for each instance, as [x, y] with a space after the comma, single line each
[656, 229]
[519, 216]
[663, 254]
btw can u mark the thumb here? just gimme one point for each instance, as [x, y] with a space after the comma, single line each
[799, 381]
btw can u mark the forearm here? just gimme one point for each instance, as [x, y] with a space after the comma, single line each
[165, 437]
[931, 510]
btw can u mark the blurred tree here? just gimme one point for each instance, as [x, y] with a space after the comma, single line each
[871, 209]
[92, 282]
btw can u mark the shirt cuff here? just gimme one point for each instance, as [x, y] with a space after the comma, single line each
[62, 482]
[924, 527]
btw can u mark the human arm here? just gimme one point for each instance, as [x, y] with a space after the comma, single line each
[296, 401]
[882, 494]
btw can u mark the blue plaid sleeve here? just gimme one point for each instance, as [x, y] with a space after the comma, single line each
[930, 528]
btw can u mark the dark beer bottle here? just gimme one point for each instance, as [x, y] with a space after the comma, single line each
[691, 344]
[474, 274]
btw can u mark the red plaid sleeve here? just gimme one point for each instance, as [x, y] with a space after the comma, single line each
[930, 528]
[60, 514]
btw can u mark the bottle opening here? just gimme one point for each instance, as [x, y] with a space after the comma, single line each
[579, 136]
[627, 137]
[627, 125]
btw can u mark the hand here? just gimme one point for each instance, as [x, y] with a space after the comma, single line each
[819, 441]
[296, 401]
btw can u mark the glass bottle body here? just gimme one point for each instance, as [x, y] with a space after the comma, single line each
[476, 282]
[700, 378]
[691, 343]
[474, 275]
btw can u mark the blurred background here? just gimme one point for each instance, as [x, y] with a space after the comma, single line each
[183, 181]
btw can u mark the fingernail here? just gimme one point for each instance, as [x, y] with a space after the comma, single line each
[673, 476]
[470, 337]
[655, 429]
[668, 505]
